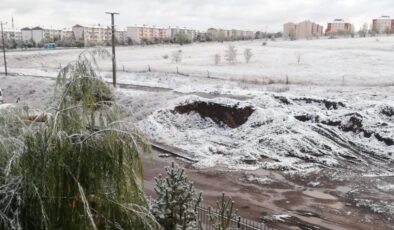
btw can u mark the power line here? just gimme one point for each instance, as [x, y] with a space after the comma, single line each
[113, 47]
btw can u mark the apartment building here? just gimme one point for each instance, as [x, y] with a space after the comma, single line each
[11, 35]
[302, 30]
[39, 35]
[138, 34]
[189, 33]
[67, 34]
[383, 24]
[225, 35]
[51, 35]
[121, 37]
[92, 35]
[147, 33]
[289, 30]
[339, 27]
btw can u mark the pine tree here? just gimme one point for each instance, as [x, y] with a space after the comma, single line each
[176, 204]
[222, 219]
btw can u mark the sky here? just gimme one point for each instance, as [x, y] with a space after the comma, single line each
[261, 15]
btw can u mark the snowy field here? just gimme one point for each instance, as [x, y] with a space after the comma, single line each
[336, 112]
[358, 61]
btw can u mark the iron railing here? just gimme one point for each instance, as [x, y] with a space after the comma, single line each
[236, 222]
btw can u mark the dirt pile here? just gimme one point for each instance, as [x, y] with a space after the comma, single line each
[354, 124]
[232, 116]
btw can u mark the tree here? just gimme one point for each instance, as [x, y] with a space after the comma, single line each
[222, 220]
[130, 42]
[299, 58]
[78, 168]
[363, 32]
[218, 58]
[231, 54]
[182, 39]
[177, 56]
[292, 35]
[176, 204]
[248, 55]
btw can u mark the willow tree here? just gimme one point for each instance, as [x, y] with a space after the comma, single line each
[77, 168]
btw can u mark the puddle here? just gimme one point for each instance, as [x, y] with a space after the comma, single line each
[319, 195]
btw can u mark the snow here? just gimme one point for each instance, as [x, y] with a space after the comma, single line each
[358, 61]
[272, 136]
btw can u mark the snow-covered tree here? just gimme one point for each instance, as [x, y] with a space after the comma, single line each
[217, 59]
[177, 202]
[177, 56]
[248, 55]
[222, 219]
[231, 54]
[78, 168]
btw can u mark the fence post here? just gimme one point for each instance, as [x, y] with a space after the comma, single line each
[149, 70]
[239, 222]
[123, 68]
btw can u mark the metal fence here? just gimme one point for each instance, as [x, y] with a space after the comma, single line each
[236, 222]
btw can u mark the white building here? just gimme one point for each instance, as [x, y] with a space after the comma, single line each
[38, 35]
[383, 24]
[26, 34]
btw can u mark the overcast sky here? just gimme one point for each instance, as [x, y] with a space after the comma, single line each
[198, 14]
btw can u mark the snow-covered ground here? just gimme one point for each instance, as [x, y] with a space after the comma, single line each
[291, 127]
[358, 61]
[335, 119]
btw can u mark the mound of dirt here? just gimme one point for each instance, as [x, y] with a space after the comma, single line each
[221, 114]
[326, 103]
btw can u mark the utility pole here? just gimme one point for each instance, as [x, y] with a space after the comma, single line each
[113, 47]
[5, 58]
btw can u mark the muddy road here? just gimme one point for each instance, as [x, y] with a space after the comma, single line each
[281, 201]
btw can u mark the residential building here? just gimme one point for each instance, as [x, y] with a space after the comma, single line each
[92, 35]
[38, 35]
[339, 27]
[26, 34]
[302, 30]
[121, 37]
[190, 34]
[139, 34]
[67, 34]
[383, 24]
[10, 35]
[289, 30]
[226, 35]
[52, 35]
